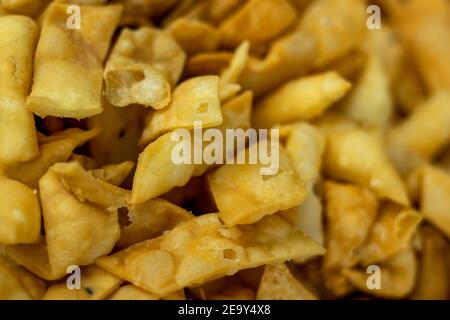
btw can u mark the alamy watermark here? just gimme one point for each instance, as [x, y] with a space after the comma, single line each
[374, 280]
[228, 147]
[73, 281]
[73, 21]
[374, 20]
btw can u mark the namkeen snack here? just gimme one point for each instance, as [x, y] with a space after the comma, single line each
[224, 149]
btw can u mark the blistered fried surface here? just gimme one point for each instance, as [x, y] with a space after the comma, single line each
[203, 249]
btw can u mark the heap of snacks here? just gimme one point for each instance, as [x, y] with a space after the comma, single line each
[91, 92]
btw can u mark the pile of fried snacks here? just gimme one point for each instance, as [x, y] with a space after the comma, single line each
[338, 189]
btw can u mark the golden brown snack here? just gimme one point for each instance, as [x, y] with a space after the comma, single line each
[52, 149]
[196, 99]
[229, 78]
[425, 26]
[203, 249]
[346, 158]
[194, 36]
[142, 67]
[131, 292]
[305, 146]
[278, 283]
[350, 213]
[434, 187]
[20, 213]
[149, 220]
[80, 53]
[31, 8]
[77, 230]
[274, 17]
[236, 114]
[17, 283]
[313, 44]
[391, 233]
[18, 37]
[370, 102]
[96, 284]
[398, 275]
[423, 134]
[114, 173]
[433, 275]
[243, 186]
[154, 166]
[300, 99]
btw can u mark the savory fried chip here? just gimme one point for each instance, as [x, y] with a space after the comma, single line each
[96, 284]
[242, 186]
[20, 213]
[305, 146]
[131, 292]
[425, 27]
[312, 43]
[84, 161]
[17, 283]
[228, 85]
[397, 276]
[52, 149]
[196, 99]
[302, 99]
[423, 134]
[10, 287]
[337, 26]
[31, 8]
[346, 158]
[350, 213]
[257, 21]
[18, 37]
[142, 68]
[432, 283]
[278, 283]
[370, 102]
[86, 187]
[211, 63]
[114, 173]
[155, 166]
[434, 198]
[203, 249]
[194, 36]
[236, 114]
[77, 231]
[149, 220]
[391, 233]
[80, 53]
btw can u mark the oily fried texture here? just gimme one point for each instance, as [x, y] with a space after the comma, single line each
[278, 283]
[256, 195]
[79, 54]
[80, 219]
[142, 67]
[203, 249]
[18, 37]
[350, 213]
